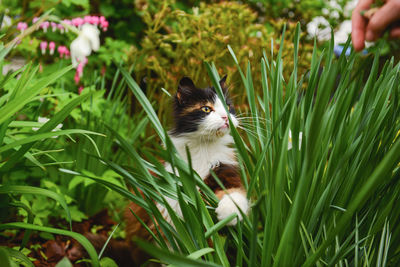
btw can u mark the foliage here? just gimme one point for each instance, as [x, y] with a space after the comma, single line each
[18, 146]
[328, 199]
[177, 42]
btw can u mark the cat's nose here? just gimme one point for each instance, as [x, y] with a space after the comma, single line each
[225, 118]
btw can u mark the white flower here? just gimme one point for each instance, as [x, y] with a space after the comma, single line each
[290, 145]
[44, 120]
[87, 41]
[6, 22]
[334, 5]
[349, 7]
[334, 14]
[343, 32]
[320, 28]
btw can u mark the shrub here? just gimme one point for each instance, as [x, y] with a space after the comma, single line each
[177, 42]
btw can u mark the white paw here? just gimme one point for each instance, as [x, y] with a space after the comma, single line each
[226, 206]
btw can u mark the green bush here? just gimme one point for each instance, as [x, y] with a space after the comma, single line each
[20, 90]
[176, 43]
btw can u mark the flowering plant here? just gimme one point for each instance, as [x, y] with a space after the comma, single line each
[86, 34]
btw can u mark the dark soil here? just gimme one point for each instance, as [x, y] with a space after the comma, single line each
[49, 252]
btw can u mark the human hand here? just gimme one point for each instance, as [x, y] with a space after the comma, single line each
[364, 29]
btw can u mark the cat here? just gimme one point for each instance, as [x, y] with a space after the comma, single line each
[200, 123]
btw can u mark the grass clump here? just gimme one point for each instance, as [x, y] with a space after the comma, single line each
[320, 166]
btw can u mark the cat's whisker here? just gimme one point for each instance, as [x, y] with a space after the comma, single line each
[253, 127]
[253, 118]
[253, 133]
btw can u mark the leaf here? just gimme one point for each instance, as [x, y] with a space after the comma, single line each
[37, 137]
[64, 262]
[172, 258]
[48, 126]
[145, 104]
[16, 104]
[22, 189]
[107, 262]
[4, 257]
[200, 253]
[18, 255]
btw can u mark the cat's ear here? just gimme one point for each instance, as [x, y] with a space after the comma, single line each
[185, 87]
[223, 85]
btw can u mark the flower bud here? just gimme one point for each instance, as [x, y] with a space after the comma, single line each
[22, 26]
[45, 25]
[61, 51]
[53, 26]
[43, 46]
[52, 46]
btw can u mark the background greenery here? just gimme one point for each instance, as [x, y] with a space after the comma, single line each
[330, 200]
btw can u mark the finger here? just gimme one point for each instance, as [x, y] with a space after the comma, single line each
[395, 32]
[386, 15]
[359, 24]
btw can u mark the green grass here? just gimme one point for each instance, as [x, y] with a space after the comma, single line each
[330, 200]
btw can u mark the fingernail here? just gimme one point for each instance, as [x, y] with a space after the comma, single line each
[369, 36]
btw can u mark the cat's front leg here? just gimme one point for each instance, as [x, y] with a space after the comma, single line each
[232, 202]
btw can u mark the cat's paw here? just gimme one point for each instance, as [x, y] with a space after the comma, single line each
[226, 206]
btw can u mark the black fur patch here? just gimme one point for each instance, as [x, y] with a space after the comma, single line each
[186, 117]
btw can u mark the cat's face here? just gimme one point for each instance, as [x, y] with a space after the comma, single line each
[199, 113]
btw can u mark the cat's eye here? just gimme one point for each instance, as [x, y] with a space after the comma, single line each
[206, 109]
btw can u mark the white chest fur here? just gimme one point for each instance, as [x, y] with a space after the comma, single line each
[205, 155]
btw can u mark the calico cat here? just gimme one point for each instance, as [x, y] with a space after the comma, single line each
[201, 124]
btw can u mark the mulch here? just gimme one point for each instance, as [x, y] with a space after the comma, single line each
[49, 252]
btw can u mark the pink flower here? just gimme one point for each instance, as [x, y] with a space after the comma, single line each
[77, 22]
[45, 25]
[52, 46]
[77, 78]
[95, 20]
[35, 19]
[61, 50]
[67, 53]
[21, 26]
[102, 19]
[87, 19]
[85, 61]
[67, 21]
[80, 89]
[80, 67]
[79, 70]
[60, 27]
[53, 26]
[43, 46]
[104, 25]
